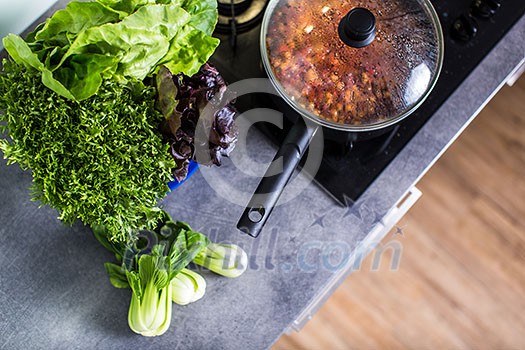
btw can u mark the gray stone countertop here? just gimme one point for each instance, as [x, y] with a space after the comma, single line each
[55, 294]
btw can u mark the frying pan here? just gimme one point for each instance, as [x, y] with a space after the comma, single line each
[345, 66]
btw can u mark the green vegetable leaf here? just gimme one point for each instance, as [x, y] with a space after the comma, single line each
[188, 51]
[101, 234]
[184, 249]
[30, 38]
[21, 53]
[139, 41]
[153, 268]
[167, 92]
[84, 74]
[164, 19]
[49, 81]
[76, 17]
[126, 7]
[135, 283]
[204, 14]
[117, 277]
[137, 50]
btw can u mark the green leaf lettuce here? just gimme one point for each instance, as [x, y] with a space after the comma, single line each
[87, 42]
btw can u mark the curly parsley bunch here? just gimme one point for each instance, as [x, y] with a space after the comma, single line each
[100, 160]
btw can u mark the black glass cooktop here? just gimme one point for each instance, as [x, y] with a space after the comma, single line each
[471, 29]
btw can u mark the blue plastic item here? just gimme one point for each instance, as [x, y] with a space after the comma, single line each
[191, 170]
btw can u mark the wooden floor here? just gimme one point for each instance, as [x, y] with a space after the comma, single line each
[461, 281]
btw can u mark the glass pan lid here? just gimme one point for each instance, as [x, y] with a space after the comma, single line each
[352, 64]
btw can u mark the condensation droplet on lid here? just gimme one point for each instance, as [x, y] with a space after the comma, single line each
[308, 29]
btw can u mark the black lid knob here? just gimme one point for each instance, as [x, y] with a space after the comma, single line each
[358, 28]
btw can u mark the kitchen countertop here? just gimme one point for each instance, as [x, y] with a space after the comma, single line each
[54, 291]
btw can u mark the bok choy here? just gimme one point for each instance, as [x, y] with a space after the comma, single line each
[154, 265]
[228, 260]
[150, 308]
[188, 287]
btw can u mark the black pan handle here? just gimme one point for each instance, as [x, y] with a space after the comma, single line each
[277, 176]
